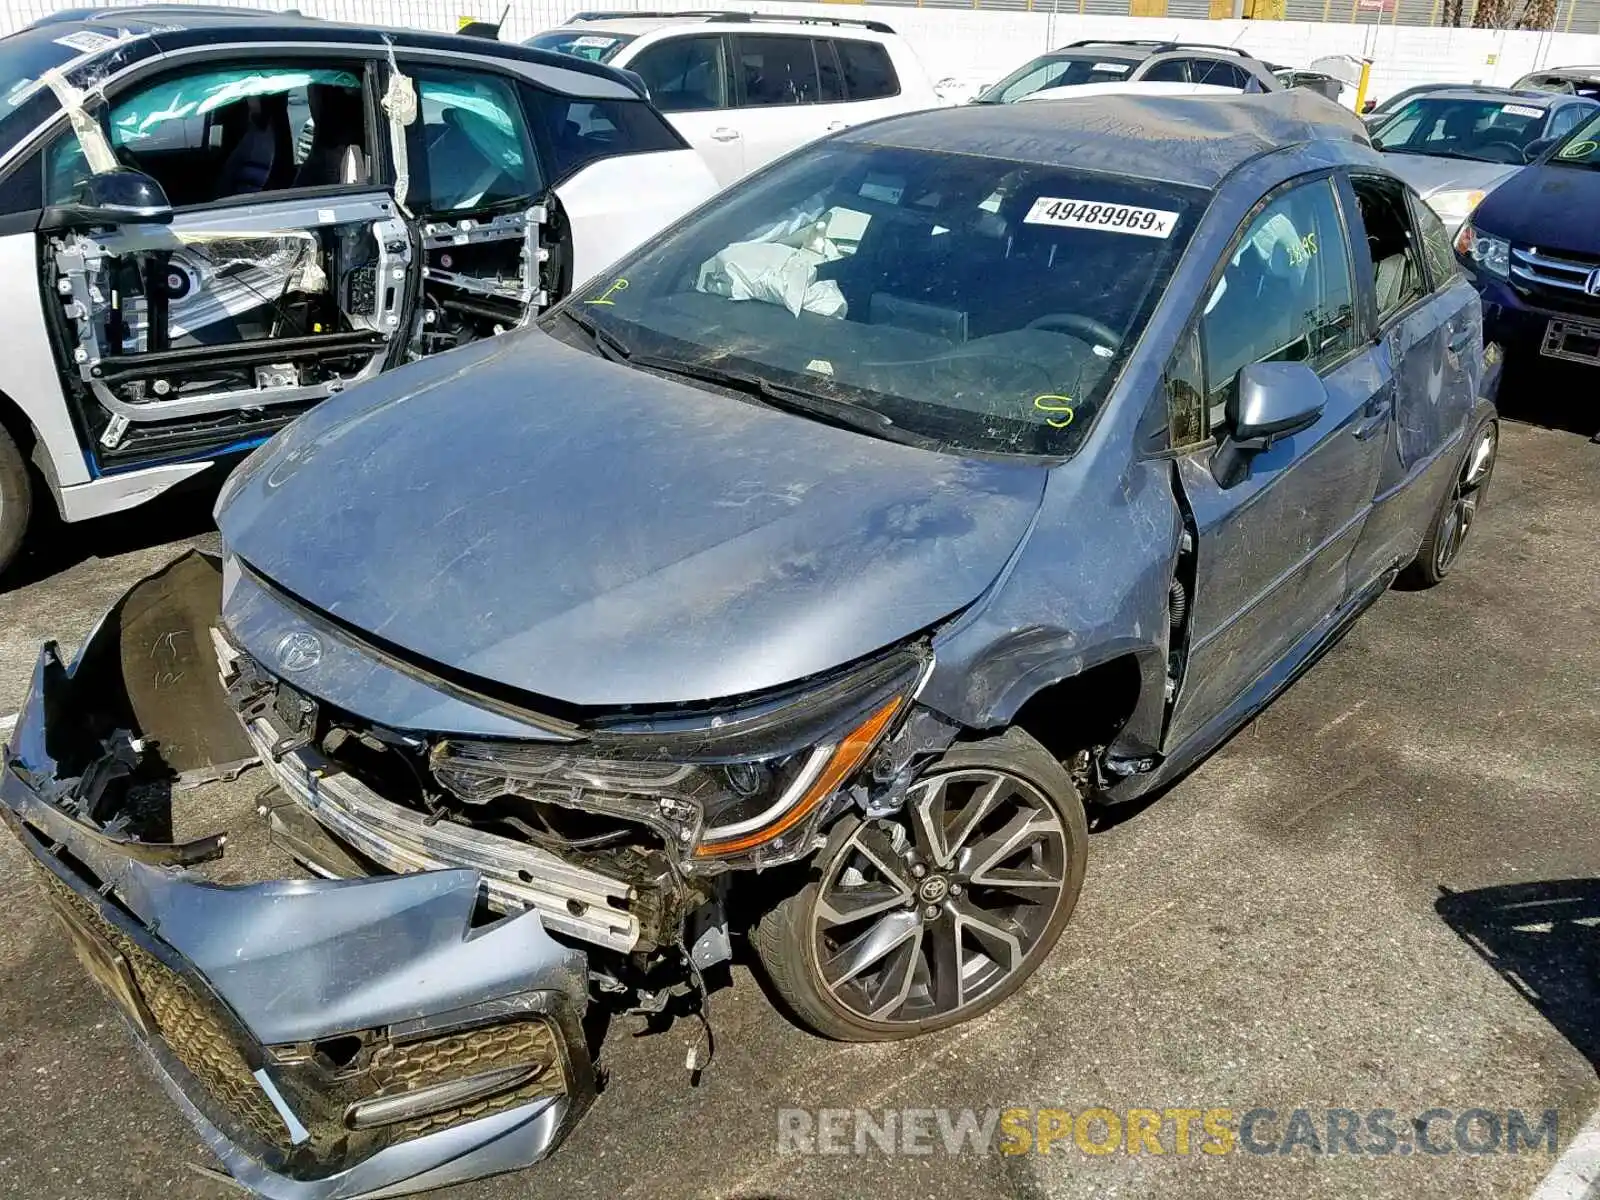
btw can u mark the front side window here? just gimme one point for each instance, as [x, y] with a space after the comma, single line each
[1284, 294]
[1397, 274]
[1566, 120]
[222, 132]
[1053, 71]
[468, 147]
[1482, 130]
[685, 74]
[966, 302]
[777, 70]
[868, 71]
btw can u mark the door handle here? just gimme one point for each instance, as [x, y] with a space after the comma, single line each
[1377, 417]
[723, 134]
[834, 126]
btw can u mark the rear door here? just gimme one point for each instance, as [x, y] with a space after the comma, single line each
[1430, 332]
[785, 98]
[1272, 548]
[475, 189]
[689, 80]
[284, 276]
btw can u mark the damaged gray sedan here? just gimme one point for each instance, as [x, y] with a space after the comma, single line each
[805, 583]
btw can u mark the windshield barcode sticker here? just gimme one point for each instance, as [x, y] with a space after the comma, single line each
[1094, 214]
[1522, 110]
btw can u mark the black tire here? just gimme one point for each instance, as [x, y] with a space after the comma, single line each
[16, 500]
[788, 936]
[1452, 522]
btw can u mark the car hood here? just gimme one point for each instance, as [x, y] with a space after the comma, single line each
[533, 515]
[1547, 206]
[1430, 175]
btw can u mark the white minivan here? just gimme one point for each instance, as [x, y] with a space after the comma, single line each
[745, 88]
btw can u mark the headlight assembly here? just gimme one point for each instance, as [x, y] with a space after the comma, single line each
[1490, 254]
[714, 795]
[1456, 205]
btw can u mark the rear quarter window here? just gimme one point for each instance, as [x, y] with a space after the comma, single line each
[573, 132]
[868, 71]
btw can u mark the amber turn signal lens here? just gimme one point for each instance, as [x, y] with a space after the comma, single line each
[849, 754]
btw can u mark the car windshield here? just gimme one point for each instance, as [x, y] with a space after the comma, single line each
[1056, 70]
[1485, 130]
[1582, 149]
[967, 302]
[25, 100]
[596, 47]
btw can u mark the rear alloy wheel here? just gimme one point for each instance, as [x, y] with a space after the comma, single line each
[16, 500]
[925, 920]
[1454, 520]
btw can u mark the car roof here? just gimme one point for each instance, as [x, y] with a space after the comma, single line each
[1504, 95]
[1137, 49]
[638, 23]
[174, 27]
[1194, 140]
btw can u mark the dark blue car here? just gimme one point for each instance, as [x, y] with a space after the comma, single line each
[812, 575]
[1533, 250]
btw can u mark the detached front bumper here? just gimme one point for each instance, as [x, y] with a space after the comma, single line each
[328, 1038]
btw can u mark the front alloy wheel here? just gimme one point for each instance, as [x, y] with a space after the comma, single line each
[922, 921]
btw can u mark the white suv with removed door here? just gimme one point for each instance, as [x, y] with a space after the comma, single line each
[744, 88]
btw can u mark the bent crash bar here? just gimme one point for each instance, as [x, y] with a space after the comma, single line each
[327, 1037]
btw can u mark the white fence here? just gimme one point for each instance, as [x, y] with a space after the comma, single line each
[980, 46]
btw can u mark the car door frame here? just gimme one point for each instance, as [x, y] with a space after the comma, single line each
[84, 385]
[1435, 336]
[1257, 629]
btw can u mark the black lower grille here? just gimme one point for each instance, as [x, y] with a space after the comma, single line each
[1560, 280]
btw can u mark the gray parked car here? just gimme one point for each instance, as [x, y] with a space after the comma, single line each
[1454, 145]
[813, 575]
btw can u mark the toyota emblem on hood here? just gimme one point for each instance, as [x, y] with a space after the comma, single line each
[299, 651]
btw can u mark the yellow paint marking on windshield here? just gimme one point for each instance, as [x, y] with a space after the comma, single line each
[1302, 251]
[1579, 149]
[1060, 405]
[620, 285]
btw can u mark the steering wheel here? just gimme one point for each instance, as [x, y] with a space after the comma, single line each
[1095, 332]
[1510, 150]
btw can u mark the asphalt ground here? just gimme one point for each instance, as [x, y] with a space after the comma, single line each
[1380, 895]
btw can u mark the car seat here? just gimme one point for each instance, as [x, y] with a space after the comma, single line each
[262, 157]
[337, 154]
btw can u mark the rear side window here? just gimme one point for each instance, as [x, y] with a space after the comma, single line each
[1174, 70]
[572, 132]
[868, 72]
[1436, 249]
[1566, 120]
[775, 69]
[1218, 74]
[686, 74]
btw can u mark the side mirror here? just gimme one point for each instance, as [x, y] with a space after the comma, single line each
[120, 197]
[1537, 147]
[1273, 400]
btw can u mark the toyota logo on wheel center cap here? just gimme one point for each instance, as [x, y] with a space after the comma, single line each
[933, 889]
[299, 651]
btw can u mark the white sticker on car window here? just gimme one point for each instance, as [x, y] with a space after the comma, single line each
[86, 40]
[1114, 68]
[590, 41]
[1095, 214]
[1522, 110]
[886, 189]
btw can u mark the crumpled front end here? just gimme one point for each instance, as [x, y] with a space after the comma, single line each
[327, 1037]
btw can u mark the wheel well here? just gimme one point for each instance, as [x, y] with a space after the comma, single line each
[15, 423]
[1083, 711]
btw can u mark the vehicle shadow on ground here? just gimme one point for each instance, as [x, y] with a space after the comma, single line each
[1552, 395]
[1544, 940]
[53, 546]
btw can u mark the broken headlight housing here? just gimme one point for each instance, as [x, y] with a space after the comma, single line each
[744, 786]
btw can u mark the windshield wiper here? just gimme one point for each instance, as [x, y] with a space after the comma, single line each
[795, 400]
[609, 345]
